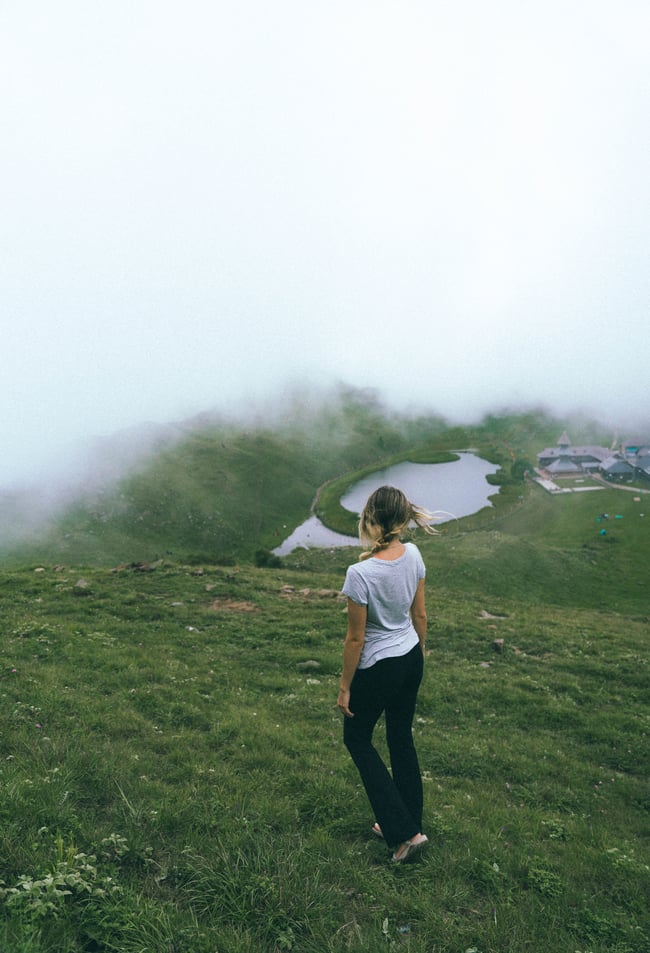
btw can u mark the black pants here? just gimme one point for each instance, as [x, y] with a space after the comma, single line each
[389, 686]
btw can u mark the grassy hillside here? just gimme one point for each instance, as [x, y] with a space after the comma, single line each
[173, 776]
[220, 491]
[550, 550]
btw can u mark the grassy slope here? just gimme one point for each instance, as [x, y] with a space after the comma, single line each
[549, 550]
[222, 492]
[164, 724]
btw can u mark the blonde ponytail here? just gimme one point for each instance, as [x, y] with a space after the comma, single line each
[386, 515]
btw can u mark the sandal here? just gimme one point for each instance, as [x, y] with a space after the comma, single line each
[409, 847]
[376, 830]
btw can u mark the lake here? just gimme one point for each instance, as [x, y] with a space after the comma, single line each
[458, 488]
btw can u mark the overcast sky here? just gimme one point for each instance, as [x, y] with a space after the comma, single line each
[447, 200]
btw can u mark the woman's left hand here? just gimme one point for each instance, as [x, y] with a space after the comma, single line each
[344, 703]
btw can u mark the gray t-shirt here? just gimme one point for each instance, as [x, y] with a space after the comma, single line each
[387, 588]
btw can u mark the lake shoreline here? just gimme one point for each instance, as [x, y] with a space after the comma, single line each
[460, 495]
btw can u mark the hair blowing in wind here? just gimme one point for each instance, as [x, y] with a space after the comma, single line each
[386, 515]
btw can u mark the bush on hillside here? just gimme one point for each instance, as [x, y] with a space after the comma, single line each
[519, 469]
[264, 559]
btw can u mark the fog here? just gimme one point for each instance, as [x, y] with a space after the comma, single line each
[206, 203]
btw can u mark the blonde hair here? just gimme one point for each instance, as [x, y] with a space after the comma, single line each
[386, 515]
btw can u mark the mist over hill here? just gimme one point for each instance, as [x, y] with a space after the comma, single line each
[219, 488]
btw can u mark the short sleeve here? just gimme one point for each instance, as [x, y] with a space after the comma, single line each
[355, 587]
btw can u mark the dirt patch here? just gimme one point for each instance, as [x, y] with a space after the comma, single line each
[488, 615]
[290, 592]
[233, 605]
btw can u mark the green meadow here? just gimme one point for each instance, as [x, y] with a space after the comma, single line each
[172, 771]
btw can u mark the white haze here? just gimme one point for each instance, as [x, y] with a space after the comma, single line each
[206, 202]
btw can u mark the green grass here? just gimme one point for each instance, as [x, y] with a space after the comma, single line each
[218, 494]
[194, 757]
[172, 771]
[222, 493]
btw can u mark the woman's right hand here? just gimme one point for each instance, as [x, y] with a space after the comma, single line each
[344, 702]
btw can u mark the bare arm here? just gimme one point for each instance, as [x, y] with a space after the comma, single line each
[354, 639]
[419, 615]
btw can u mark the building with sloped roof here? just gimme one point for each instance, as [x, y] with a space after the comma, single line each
[642, 464]
[568, 459]
[635, 445]
[617, 469]
[624, 466]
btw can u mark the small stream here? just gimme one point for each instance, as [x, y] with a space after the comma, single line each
[458, 488]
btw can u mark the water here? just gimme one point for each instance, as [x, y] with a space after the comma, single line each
[312, 534]
[458, 488]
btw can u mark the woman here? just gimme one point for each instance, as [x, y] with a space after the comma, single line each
[383, 659]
